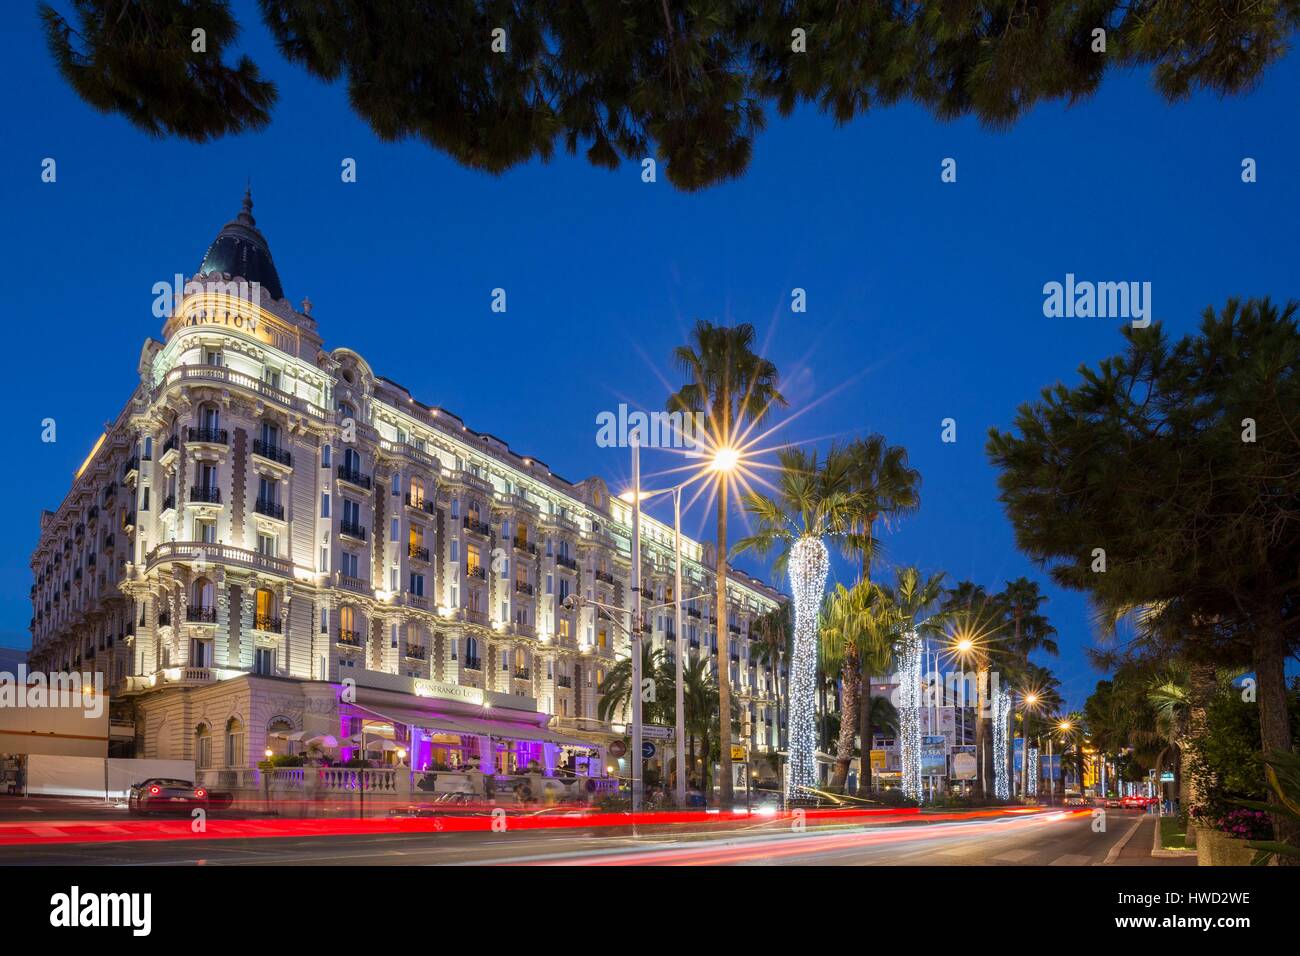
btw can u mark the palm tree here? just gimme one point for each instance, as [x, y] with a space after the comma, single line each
[812, 501]
[700, 712]
[731, 384]
[616, 691]
[886, 488]
[910, 616]
[843, 625]
[1027, 630]
[978, 618]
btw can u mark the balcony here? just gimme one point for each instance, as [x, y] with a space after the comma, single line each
[694, 612]
[525, 547]
[130, 468]
[201, 615]
[359, 585]
[605, 576]
[263, 622]
[477, 571]
[418, 553]
[473, 664]
[476, 527]
[272, 453]
[523, 587]
[164, 618]
[218, 553]
[416, 653]
[207, 436]
[349, 638]
[422, 504]
[566, 562]
[169, 445]
[354, 477]
[169, 503]
[211, 496]
[564, 680]
[271, 509]
[523, 673]
[352, 530]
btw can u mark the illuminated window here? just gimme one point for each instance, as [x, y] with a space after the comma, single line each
[265, 603]
[417, 492]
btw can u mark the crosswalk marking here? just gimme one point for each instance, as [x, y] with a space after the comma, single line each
[1072, 859]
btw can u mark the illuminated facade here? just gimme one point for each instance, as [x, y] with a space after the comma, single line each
[266, 519]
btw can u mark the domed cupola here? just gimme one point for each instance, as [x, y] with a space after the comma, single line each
[241, 250]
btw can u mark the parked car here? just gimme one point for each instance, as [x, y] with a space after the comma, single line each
[166, 794]
[1136, 802]
[1113, 803]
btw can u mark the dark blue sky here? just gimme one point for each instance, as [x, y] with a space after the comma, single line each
[924, 299]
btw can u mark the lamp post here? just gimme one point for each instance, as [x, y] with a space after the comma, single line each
[637, 763]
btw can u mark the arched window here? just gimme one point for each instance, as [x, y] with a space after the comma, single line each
[209, 416]
[471, 652]
[351, 459]
[417, 492]
[277, 735]
[347, 623]
[202, 747]
[203, 594]
[265, 609]
[235, 754]
[346, 410]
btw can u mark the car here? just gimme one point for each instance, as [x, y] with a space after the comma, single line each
[1136, 802]
[166, 794]
[1113, 803]
[1076, 801]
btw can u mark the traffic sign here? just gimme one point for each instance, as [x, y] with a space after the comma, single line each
[617, 749]
[655, 732]
[647, 749]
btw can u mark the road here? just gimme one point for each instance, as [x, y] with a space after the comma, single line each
[1054, 839]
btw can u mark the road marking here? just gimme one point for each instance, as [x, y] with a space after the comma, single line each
[1015, 856]
[1072, 859]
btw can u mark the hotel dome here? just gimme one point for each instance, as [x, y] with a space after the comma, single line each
[241, 250]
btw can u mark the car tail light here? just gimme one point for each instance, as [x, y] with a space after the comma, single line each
[200, 793]
[155, 790]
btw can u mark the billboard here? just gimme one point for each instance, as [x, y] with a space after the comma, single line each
[934, 755]
[964, 764]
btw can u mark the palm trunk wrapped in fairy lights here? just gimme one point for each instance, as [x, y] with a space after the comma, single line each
[1001, 718]
[909, 712]
[809, 566]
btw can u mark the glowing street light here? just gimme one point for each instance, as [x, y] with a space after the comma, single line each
[725, 459]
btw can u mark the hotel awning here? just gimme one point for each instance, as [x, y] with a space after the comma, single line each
[478, 727]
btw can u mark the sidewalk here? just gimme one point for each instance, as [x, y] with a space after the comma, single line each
[1137, 850]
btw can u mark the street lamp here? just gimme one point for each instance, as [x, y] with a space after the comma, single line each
[1027, 700]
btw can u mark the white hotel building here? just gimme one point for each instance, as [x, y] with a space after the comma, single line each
[266, 519]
